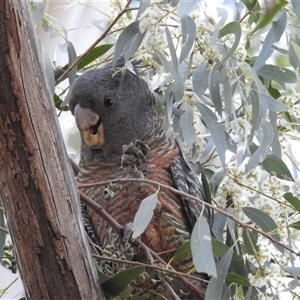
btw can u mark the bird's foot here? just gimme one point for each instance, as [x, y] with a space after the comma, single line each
[127, 233]
[133, 156]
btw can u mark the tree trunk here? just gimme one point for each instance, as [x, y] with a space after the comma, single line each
[36, 182]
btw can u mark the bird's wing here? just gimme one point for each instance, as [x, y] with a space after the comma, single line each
[187, 181]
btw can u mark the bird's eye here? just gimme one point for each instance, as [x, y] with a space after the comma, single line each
[108, 102]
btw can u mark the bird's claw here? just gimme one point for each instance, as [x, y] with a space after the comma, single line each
[127, 233]
[134, 155]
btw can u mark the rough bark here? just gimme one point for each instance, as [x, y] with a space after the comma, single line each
[36, 182]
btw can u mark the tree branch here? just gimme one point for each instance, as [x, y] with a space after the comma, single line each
[103, 35]
[159, 185]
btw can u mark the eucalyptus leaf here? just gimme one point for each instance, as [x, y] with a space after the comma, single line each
[37, 11]
[125, 38]
[144, 215]
[227, 90]
[200, 79]
[218, 226]
[214, 88]
[185, 7]
[272, 37]
[278, 74]
[264, 221]
[231, 28]
[202, 249]
[132, 47]
[293, 270]
[182, 252]
[276, 166]
[256, 158]
[172, 49]
[113, 286]
[72, 57]
[92, 56]
[186, 124]
[293, 57]
[188, 36]
[273, 104]
[215, 285]
[294, 201]
[267, 17]
[295, 225]
[276, 146]
[219, 248]
[216, 130]
[235, 278]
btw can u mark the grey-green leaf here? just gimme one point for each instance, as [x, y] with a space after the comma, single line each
[278, 74]
[293, 270]
[272, 37]
[202, 249]
[125, 37]
[188, 36]
[144, 215]
[186, 124]
[216, 130]
[235, 28]
[200, 79]
[215, 286]
[273, 104]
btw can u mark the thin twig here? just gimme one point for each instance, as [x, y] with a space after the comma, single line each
[119, 229]
[2, 229]
[103, 35]
[248, 12]
[243, 224]
[154, 267]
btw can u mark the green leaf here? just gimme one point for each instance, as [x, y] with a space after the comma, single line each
[219, 248]
[115, 285]
[295, 225]
[202, 249]
[93, 55]
[278, 74]
[268, 15]
[265, 222]
[235, 278]
[144, 215]
[182, 252]
[294, 201]
[276, 166]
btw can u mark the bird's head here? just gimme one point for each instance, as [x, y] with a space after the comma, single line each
[112, 107]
